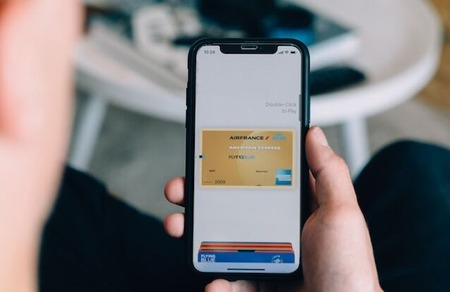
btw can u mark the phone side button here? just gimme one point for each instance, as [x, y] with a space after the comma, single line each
[186, 114]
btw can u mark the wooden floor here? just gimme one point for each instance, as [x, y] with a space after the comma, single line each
[437, 92]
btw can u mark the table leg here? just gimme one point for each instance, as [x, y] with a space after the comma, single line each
[87, 131]
[355, 142]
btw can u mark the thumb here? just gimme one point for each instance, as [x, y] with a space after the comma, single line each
[333, 183]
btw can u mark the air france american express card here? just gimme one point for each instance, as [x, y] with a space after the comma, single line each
[247, 158]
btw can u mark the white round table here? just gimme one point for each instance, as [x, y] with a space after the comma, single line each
[400, 49]
[401, 41]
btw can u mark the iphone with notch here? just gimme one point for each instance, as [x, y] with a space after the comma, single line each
[246, 173]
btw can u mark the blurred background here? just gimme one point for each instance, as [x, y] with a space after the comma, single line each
[373, 84]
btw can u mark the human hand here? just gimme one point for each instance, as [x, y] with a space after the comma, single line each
[337, 254]
[336, 249]
[36, 44]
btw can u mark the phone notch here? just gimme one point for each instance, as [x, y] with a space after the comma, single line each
[249, 47]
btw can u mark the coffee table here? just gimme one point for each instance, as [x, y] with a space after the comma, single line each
[400, 48]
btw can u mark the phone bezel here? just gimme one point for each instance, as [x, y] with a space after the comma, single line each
[190, 144]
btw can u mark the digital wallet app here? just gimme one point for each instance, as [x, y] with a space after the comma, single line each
[247, 161]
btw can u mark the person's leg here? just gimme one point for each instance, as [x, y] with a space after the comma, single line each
[94, 242]
[404, 193]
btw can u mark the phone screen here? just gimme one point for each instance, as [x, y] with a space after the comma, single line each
[246, 169]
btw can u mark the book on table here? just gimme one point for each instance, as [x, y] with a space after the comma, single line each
[157, 27]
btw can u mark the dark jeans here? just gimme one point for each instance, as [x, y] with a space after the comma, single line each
[404, 193]
[94, 242]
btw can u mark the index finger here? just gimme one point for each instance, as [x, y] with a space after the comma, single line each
[174, 191]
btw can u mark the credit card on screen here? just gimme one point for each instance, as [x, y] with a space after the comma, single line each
[247, 158]
[246, 252]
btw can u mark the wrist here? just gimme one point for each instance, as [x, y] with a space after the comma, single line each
[19, 254]
[342, 282]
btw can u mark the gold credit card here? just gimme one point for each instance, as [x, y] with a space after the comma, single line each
[247, 158]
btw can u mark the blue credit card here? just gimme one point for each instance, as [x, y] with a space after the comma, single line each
[246, 252]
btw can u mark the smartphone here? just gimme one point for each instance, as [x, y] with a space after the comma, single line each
[246, 173]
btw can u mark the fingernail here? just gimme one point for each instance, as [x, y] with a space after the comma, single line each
[320, 137]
